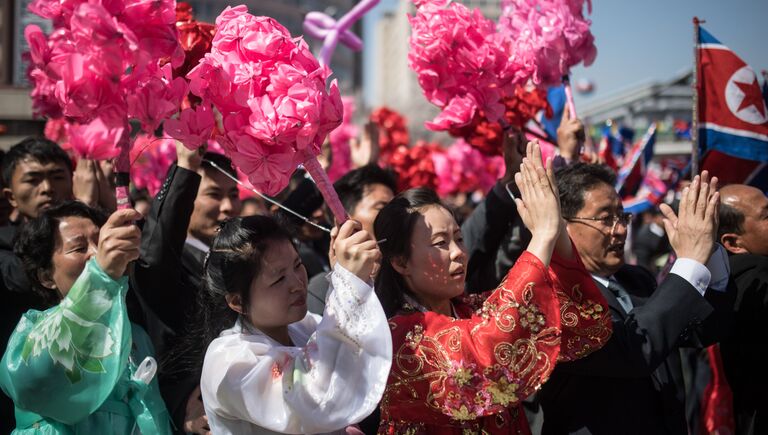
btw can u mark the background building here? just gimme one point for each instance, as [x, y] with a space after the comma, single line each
[669, 103]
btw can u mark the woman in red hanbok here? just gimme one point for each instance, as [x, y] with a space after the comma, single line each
[462, 364]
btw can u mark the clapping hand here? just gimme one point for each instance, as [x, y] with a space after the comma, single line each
[693, 230]
[539, 205]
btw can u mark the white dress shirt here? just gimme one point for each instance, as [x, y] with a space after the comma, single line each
[713, 275]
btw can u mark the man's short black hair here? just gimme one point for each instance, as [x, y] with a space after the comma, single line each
[219, 160]
[351, 186]
[40, 149]
[731, 221]
[35, 241]
[575, 180]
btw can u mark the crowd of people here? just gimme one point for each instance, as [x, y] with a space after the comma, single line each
[205, 313]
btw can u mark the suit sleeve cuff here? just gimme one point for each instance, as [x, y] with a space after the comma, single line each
[694, 272]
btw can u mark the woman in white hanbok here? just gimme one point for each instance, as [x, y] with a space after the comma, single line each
[278, 368]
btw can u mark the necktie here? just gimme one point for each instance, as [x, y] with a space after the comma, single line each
[621, 294]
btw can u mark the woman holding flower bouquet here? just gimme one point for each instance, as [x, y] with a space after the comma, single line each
[81, 366]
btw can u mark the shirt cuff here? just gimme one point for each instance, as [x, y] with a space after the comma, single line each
[694, 272]
[720, 268]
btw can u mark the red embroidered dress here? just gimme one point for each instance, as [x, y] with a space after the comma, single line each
[469, 374]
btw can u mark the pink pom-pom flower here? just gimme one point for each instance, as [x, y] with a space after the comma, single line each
[151, 157]
[272, 94]
[463, 168]
[194, 126]
[550, 36]
[462, 63]
[96, 140]
[105, 62]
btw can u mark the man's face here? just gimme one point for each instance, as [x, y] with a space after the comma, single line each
[375, 197]
[600, 246]
[36, 186]
[217, 200]
[754, 205]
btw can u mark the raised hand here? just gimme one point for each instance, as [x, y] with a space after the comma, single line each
[693, 230]
[85, 185]
[570, 136]
[366, 149]
[187, 158]
[513, 147]
[355, 249]
[539, 205]
[119, 241]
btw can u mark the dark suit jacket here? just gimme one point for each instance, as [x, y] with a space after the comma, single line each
[166, 279]
[633, 385]
[495, 237]
[648, 246]
[745, 358]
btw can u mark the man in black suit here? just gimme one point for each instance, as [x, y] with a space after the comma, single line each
[633, 385]
[167, 278]
[744, 234]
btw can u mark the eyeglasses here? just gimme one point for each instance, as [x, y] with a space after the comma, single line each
[609, 221]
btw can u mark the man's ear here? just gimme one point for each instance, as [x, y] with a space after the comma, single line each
[732, 243]
[235, 302]
[8, 194]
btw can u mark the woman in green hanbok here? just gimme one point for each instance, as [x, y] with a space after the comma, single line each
[81, 367]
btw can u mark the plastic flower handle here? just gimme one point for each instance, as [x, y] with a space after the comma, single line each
[326, 188]
[569, 97]
[123, 171]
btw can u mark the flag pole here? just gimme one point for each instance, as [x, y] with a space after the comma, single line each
[696, 84]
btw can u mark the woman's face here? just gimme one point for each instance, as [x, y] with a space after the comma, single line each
[279, 292]
[76, 241]
[436, 269]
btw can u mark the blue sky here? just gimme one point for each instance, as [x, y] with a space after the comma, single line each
[642, 41]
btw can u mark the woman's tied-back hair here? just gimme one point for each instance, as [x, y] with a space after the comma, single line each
[395, 223]
[234, 260]
[231, 265]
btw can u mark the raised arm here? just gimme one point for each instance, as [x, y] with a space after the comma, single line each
[335, 380]
[157, 274]
[63, 363]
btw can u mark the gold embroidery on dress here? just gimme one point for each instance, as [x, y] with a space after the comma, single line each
[426, 359]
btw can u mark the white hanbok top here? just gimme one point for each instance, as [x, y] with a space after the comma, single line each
[333, 377]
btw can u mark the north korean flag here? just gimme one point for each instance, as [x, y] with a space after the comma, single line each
[733, 117]
[733, 170]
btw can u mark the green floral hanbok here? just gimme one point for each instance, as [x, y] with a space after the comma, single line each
[81, 367]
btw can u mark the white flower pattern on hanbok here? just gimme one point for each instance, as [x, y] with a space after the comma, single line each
[72, 337]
